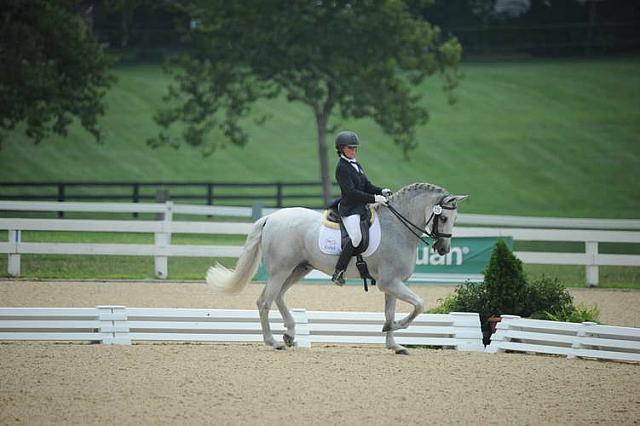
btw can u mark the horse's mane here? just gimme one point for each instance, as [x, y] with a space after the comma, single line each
[414, 189]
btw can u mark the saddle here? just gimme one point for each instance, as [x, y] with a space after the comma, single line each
[332, 219]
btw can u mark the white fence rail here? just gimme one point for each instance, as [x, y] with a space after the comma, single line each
[247, 212]
[115, 324]
[617, 231]
[584, 340]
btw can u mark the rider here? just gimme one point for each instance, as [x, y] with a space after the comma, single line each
[357, 192]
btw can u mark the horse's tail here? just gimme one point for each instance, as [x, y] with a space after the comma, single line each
[230, 281]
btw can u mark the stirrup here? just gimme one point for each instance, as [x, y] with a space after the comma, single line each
[338, 278]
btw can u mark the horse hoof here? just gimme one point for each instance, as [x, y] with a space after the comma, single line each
[288, 340]
[402, 352]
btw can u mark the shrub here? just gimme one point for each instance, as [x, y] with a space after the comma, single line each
[505, 290]
[546, 294]
[580, 313]
[448, 304]
[504, 282]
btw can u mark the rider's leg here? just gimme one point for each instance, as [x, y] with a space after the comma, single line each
[352, 225]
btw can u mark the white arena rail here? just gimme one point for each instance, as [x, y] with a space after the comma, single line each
[602, 230]
[208, 325]
[573, 340]
[102, 324]
[115, 324]
[459, 330]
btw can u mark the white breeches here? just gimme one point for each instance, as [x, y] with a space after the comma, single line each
[352, 225]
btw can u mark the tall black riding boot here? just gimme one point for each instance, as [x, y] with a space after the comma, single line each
[343, 262]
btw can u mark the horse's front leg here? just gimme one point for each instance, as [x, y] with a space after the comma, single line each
[390, 313]
[400, 291]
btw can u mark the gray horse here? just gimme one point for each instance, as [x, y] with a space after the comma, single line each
[288, 239]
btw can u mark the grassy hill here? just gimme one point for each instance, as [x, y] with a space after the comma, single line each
[553, 138]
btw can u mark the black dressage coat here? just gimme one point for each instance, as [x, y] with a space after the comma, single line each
[356, 189]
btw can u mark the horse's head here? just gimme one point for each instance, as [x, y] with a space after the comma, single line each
[440, 220]
[431, 208]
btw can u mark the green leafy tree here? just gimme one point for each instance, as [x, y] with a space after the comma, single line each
[52, 68]
[361, 58]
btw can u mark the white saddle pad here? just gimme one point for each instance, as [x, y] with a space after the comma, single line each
[329, 239]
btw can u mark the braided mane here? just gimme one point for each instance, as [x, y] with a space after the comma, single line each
[414, 189]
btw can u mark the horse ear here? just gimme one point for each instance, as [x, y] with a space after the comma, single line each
[456, 199]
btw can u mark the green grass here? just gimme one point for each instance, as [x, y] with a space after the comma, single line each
[187, 268]
[184, 268]
[110, 267]
[554, 138]
[549, 138]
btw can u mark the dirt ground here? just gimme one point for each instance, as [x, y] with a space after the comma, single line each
[53, 383]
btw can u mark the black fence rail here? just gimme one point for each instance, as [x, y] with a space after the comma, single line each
[271, 194]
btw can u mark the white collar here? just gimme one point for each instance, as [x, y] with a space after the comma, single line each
[348, 159]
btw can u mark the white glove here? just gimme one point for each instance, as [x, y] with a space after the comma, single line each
[386, 192]
[381, 199]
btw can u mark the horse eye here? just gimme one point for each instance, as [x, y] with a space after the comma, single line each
[443, 219]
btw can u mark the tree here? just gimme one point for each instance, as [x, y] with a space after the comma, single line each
[362, 58]
[52, 68]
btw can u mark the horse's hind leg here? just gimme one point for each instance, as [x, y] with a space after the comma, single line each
[269, 293]
[390, 313]
[289, 322]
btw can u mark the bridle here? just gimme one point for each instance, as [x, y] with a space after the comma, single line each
[436, 212]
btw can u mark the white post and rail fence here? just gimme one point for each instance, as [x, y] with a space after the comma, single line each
[590, 232]
[116, 324]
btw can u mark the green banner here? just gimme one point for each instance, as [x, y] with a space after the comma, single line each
[465, 261]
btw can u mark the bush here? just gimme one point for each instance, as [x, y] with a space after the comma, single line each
[580, 313]
[505, 290]
[546, 295]
[504, 282]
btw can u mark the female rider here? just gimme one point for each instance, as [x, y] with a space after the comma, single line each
[357, 192]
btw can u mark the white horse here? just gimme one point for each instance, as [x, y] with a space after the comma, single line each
[288, 239]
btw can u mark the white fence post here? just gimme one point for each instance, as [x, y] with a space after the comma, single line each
[302, 327]
[113, 324]
[591, 248]
[163, 240]
[467, 331]
[13, 264]
[580, 335]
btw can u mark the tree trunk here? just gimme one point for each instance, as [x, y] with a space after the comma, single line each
[321, 121]
[125, 17]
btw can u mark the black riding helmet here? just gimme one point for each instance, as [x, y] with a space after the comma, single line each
[346, 139]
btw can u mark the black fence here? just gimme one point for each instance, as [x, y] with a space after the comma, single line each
[271, 194]
[551, 39]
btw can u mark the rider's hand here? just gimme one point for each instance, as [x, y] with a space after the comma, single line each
[381, 199]
[386, 192]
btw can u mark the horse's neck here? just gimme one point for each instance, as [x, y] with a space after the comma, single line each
[415, 208]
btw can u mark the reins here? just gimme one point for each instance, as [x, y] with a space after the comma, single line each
[408, 224]
[435, 216]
